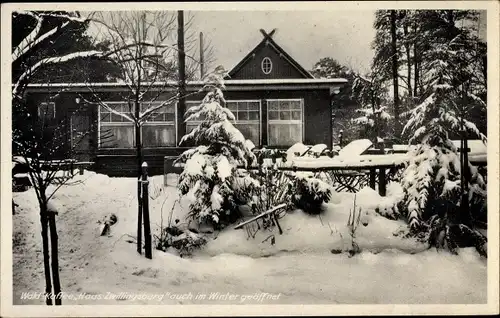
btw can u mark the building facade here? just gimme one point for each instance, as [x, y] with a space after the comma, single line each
[275, 101]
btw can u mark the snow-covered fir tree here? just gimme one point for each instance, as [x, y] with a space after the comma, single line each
[432, 179]
[211, 176]
[374, 117]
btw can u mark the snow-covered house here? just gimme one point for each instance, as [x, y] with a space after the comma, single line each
[275, 100]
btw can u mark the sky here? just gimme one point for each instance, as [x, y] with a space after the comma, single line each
[306, 35]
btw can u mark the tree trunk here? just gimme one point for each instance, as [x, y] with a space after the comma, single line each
[408, 60]
[181, 106]
[55, 259]
[138, 149]
[416, 66]
[395, 72]
[45, 250]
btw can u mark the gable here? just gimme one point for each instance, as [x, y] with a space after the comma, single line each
[268, 61]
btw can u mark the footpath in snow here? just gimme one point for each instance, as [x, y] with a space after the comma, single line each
[232, 268]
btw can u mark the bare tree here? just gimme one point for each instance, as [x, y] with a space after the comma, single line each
[35, 147]
[148, 70]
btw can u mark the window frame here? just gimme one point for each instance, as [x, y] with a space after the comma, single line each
[285, 121]
[53, 104]
[266, 58]
[129, 123]
[259, 120]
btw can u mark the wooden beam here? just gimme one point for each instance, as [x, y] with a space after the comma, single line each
[272, 210]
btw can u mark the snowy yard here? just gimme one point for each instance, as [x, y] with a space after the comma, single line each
[298, 269]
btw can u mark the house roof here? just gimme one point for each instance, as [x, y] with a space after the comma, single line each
[269, 41]
[243, 84]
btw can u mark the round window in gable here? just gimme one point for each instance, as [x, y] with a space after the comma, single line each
[266, 65]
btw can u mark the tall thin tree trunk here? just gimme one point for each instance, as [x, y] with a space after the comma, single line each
[408, 60]
[181, 106]
[395, 72]
[138, 141]
[138, 150]
[416, 66]
[45, 251]
[55, 259]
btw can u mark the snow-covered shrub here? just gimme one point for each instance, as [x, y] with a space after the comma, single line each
[310, 193]
[179, 237]
[302, 190]
[276, 186]
[210, 175]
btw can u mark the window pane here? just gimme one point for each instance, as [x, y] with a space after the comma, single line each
[284, 115]
[253, 115]
[273, 115]
[117, 136]
[231, 106]
[284, 104]
[254, 106]
[284, 134]
[158, 136]
[46, 111]
[242, 115]
[273, 105]
[295, 104]
[296, 114]
[170, 117]
[115, 118]
[156, 117]
[242, 105]
[105, 117]
[250, 131]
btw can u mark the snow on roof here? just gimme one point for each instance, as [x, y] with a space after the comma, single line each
[194, 83]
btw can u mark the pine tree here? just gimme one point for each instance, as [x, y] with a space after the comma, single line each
[432, 177]
[210, 175]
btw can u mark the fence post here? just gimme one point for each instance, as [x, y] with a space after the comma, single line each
[372, 178]
[139, 215]
[381, 182]
[145, 212]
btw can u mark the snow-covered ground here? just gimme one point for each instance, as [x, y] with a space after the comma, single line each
[298, 269]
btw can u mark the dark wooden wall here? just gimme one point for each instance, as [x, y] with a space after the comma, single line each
[121, 162]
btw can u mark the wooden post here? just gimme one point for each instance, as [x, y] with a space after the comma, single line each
[381, 182]
[372, 178]
[139, 216]
[341, 134]
[145, 212]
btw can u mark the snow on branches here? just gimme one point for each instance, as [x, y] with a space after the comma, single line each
[210, 176]
[433, 174]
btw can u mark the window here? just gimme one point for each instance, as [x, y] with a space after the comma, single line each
[266, 65]
[285, 117]
[159, 129]
[47, 111]
[115, 131]
[247, 118]
[246, 114]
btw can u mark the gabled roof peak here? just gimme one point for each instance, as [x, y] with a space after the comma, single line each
[269, 41]
[270, 34]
